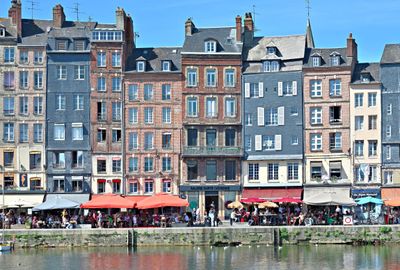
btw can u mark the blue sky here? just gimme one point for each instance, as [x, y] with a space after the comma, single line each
[161, 22]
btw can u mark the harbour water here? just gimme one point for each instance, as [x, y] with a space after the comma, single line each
[182, 258]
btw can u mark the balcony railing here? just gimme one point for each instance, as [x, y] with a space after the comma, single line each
[212, 151]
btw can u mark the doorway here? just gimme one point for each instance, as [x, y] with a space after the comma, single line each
[211, 197]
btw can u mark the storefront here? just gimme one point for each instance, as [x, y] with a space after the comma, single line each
[357, 193]
[204, 196]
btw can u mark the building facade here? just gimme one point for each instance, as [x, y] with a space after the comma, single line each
[153, 121]
[212, 137]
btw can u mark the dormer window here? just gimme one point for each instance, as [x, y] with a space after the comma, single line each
[79, 45]
[61, 45]
[365, 78]
[335, 59]
[166, 66]
[316, 61]
[210, 46]
[271, 66]
[140, 66]
[2, 32]
[271, 50]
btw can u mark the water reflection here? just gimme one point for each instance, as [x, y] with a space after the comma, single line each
[185, 258]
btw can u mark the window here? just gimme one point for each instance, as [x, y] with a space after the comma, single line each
[372, 122]
[335, 60]
[116, 59]
[116, 135]
[78, 102]
[8, 79]
[254, 90]
[58, 160]
[148, 164]
[148, 115]
[335, 114]
[166, 164]
[133, 92]
[388, 151]
[38, 57]
[77, 160]
[316, 170]
[316, 115]
[249, 119]
[61, 45]
[192, 107]
[107, 35]
[35, 161]
[294, 140]
[192, 169]
[23, 79]
[211, 107]
[229, 77]
[23, 57]
[389, 109]
[23, 105]
[23, 133]
[335, 141]
[191, 77]
[9, 55]
[388, 177]
[371, 99]
[101, 84]
[287, 88]
[148, 140]
[230, 170]
[133, 141]
[253, 171]
[335, 170]
[148, 186]
[133, 165]
[116, 165]
[77, 131]
[211, 80]
[335, 88]
[8, 159]
[116, 111]
[230, 107]
[210, 46]
[316, 61]
[59, 132]
[166, 141]
[101, 111]
[230, 137]
[133, 187]
[316, 88]
[60, 102]
[166, 186]
[192, 137]
[59, 185]
[316, 142]
[211, 170]
[37, 133]
[8, 132]
[272, 117]
[79, 72]
[77, 183]
[166, 66]
[61, 72]
[273, 171]
[101, 166]
[271, 50]
[358, 100]
[101, 59]
[372, 148]
[116, 186]
[8, 106]
[293, 171]
[360, 173]
[271, 66]
[388, 131]
[359, 122]
[166, 92]
[116, 84]
[166, 115]
[140, 66]
[372, 174]
[148, 92]
[268, 142]
[101, 186]
[359, 148]
[211, 137]
[133, 115]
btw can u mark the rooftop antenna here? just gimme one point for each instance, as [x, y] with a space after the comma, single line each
[32, 7]
[308, 7]
[254, 17]
[75, 10]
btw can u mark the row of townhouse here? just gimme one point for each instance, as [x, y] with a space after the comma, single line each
[228, 114]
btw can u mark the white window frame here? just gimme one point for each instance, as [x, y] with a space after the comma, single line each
[59, 135]
[140, 66]
[166, 115]
[316, 141]
[316, 88]
[166, 65]
[79, 72]
[210, 46]
[316, 115]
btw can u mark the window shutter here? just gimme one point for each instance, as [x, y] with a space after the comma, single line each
[260, 116]
[281, 116]
[247, 90]
[280, 89]
[260, 89]
[294, 86]
[258, 145]
[278, 142]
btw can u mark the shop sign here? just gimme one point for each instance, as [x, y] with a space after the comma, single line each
[209, 188]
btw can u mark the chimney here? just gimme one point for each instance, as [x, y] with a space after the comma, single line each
[58, 16]
[189, 27]
[351, 47]
[15, 14]
[238, 28]
[248, 28]
[120, 16]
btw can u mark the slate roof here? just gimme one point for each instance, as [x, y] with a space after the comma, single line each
[391, 54]
[153, 57]
[11, 30]
[370, 69]
[325, 55]
[224, 36]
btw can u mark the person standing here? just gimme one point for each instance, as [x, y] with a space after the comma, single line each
[211, 215]
[233, 217]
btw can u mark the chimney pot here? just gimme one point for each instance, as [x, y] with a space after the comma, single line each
[189, 27]
[58, 16]
[238, 28]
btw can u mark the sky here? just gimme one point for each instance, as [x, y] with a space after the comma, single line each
[161, 22]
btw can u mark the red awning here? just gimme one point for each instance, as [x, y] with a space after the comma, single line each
[116, 180]
[101, 180]
[108, 201]
[136, 198]
[252, 200]
[162, 200]
[272, 194]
